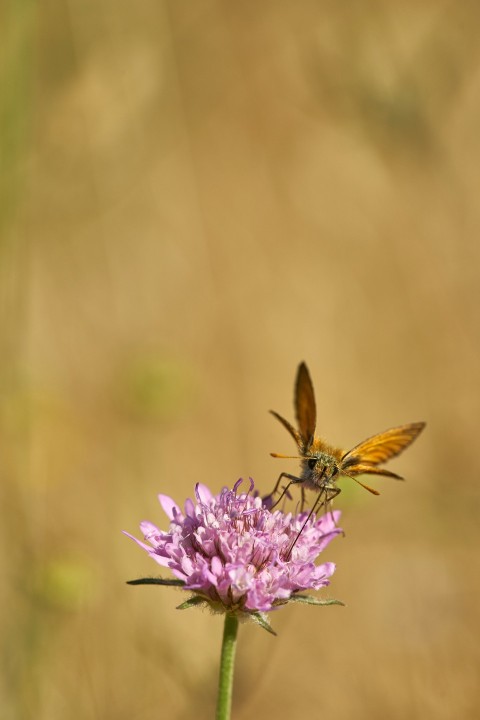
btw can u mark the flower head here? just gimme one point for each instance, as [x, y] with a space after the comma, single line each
[234, 553]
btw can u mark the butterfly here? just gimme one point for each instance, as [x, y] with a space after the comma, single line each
[321, 464]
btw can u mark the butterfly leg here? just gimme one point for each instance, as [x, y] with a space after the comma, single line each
[318, 503]
[293, 479]
[303, 499]
[328, 503]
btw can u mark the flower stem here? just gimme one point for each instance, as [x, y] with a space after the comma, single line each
[227, 662]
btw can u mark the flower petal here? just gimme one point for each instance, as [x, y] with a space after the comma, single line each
[169, 506]
[203, 493]
[139, 542]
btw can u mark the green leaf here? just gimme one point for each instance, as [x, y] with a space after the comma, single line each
[157, 581]
[261, 619]
[310, 600]
[192, 602]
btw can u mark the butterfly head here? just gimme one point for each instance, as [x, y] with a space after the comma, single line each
[320, 470]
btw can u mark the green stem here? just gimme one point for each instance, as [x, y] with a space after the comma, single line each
[227, 662]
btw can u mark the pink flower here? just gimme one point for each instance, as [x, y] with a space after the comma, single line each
[234, 553]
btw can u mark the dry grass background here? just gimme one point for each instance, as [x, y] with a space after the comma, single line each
[195, 197]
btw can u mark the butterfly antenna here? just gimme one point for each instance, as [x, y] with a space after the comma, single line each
[286, 457]
[367, 487]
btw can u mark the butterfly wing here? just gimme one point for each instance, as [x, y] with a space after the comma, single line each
[305, 405]
[290, 428]
[364, 458]
[360, 469]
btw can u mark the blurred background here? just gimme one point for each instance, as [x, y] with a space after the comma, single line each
[195, 196]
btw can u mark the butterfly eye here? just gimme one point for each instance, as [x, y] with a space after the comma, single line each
[311, 463]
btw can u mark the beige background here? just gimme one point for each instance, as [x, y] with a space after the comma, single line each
[195, 197]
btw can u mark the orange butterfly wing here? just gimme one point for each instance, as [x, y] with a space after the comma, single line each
[305, 405]
[290, 428]
[365, 456]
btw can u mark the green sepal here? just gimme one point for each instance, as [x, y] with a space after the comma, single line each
[194, 601]
[157, 581]
[310, 600]
[261, 619]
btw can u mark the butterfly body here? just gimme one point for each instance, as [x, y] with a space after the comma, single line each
[322, 465]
